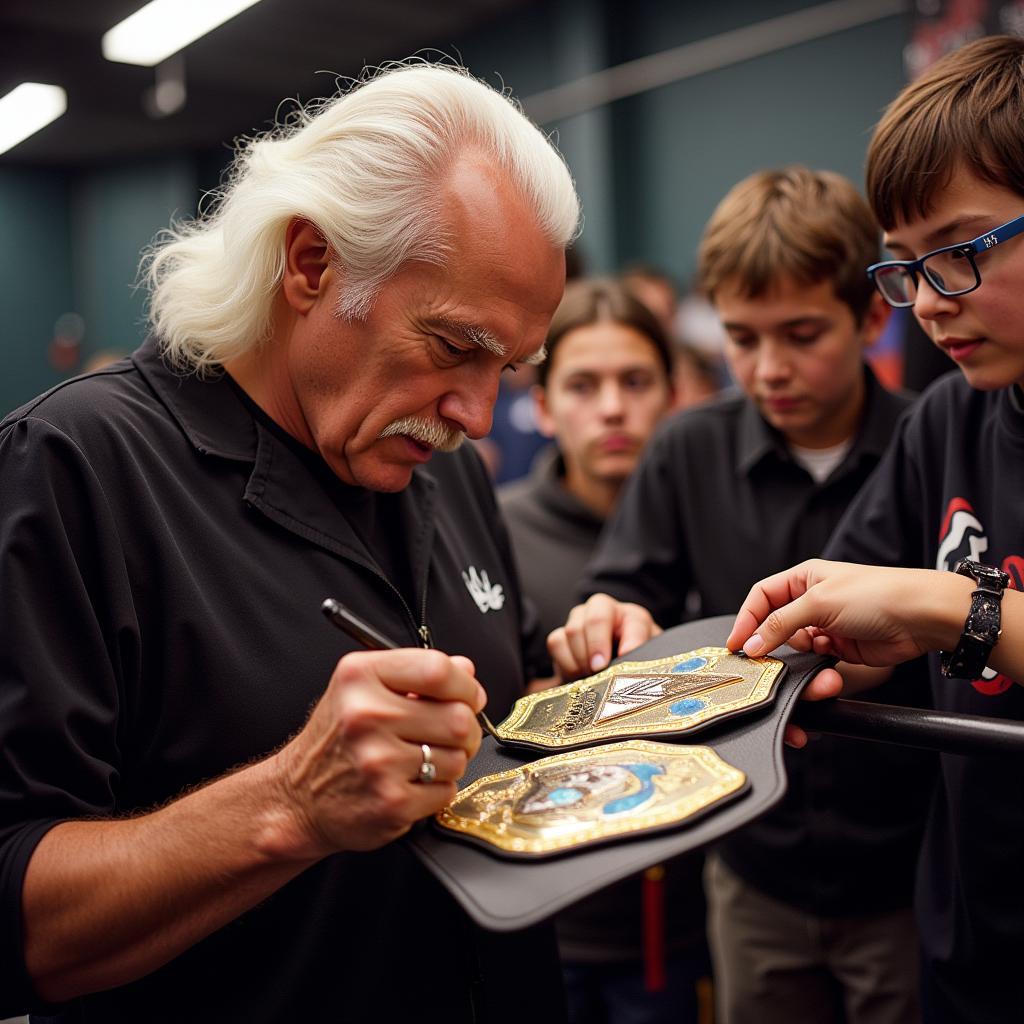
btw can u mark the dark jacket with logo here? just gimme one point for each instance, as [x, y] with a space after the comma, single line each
[164, 555]
[950, 487]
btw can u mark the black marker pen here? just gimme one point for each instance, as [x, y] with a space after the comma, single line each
[362, 632]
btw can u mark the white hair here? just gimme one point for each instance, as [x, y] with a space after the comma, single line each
[364, 168]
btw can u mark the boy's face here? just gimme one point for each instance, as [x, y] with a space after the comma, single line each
[797, 352]
[606, 390]
[982, 331]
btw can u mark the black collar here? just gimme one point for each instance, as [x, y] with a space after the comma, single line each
[217, 423]
[207, 409]
[757, 440]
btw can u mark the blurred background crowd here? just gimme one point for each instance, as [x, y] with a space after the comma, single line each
[658, 108]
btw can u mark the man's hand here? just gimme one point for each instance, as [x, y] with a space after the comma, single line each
[584, 644]
[351, 774]
[345, 782]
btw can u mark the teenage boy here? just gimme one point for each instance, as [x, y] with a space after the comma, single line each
[599, 395]
[603, 389]
[946, 180]
[809, 908]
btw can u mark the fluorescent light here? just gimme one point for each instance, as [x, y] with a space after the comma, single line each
[26, 109]
[163, 27]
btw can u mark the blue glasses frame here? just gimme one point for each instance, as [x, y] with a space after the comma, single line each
[969, 250]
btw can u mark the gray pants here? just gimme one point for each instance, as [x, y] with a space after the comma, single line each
[774, 964]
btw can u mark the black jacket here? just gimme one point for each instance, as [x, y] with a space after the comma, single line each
[951, 487]
[164, 557]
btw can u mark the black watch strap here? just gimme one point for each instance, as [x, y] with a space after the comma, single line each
[983, 624]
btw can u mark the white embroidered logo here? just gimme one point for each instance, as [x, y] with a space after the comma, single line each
[488, 596]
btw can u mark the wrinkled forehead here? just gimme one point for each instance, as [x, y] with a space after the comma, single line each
[507, 277]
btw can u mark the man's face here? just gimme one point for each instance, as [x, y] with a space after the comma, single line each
[797, 352]
[606, 391]
[982, 331]
[425, 363]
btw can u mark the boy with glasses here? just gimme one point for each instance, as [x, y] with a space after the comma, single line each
[951, 270]
[809, 908]
[946, 163]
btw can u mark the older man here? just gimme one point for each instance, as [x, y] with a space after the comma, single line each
[182, 838]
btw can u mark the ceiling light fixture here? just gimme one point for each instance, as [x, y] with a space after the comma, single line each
[163, 27]
[27, 108]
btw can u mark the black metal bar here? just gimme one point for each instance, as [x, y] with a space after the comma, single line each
[912, 727]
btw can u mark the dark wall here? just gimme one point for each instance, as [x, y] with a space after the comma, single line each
[35, 277]
[650, 167]
[70, 243]
[681, 147]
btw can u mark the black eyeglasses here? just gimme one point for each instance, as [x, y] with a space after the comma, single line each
[951, 270]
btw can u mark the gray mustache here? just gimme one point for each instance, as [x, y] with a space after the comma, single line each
[439, 436]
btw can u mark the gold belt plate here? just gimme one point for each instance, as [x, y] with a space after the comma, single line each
[561, 803]
[667, 696]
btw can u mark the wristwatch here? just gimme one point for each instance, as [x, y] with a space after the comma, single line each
[982, 628]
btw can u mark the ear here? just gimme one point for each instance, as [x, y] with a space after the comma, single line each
[875, 320]
[306, 267]
[545, 424]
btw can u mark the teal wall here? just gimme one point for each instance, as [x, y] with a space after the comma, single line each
[115, 213]
[812, 103]
[650, 168]
[35, 278]
[70, 243]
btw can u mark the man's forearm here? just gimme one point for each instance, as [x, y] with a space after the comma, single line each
[106, 902]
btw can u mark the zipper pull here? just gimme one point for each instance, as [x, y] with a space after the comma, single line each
[425, 639]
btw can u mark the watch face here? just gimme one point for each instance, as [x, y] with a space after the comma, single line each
[982, 573]
[996, 576]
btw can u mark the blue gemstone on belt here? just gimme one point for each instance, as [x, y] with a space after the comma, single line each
[690, 665]
[688, 706]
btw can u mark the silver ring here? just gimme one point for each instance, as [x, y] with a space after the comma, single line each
[428, 770]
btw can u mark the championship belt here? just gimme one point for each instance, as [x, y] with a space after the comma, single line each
[562, 803]
[494, 849]
[667, 697]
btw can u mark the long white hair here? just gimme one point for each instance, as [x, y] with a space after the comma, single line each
[364, 169]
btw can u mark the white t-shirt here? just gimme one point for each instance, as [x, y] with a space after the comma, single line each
[819, 462]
